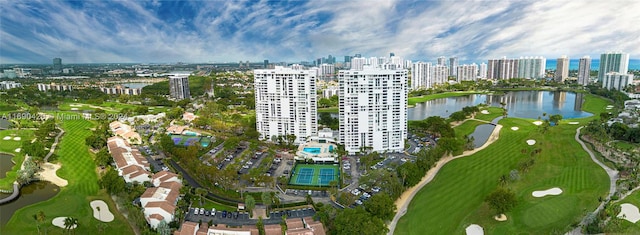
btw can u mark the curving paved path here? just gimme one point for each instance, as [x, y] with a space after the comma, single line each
[613, 177]
[403, 201]
[14, 195]
[53, 146]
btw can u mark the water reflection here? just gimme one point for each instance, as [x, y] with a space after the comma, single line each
[30, 194]
[5, 164]
[522, 104]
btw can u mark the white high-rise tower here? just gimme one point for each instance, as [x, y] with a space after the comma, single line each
[584, 70]
[373, 109]
[286, 103]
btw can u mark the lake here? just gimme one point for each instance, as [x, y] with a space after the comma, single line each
[135, 85]
[5, 164]
[522, 104]
[34, 192]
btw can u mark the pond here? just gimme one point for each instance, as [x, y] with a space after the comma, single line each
[5, 164]
[522, 104]
[35, 192]
[481, 134]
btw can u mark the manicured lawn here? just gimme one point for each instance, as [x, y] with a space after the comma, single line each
[454, 199]
[494, 112]
[9, 146]
[420, 99]
[328, 110]
[73, 200]
[208, 204]
[467, 128]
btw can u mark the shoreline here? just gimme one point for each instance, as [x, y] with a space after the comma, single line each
[405, 198]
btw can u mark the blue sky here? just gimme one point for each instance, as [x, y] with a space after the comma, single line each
[229, 31]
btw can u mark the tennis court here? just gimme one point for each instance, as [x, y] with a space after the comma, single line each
[187, 140]
[314, 174]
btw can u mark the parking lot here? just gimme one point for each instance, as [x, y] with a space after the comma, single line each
[242, 218]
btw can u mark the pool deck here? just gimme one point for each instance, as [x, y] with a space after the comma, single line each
[323, 155]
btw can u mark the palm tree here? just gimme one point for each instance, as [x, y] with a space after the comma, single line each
[39, 217]
[503, 180]
[70, 223]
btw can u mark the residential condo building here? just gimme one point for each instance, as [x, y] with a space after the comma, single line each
[286, 103]
[502, 68]
[562, 69]
[613, 62]
[467, 72]
[373, 109]
[453, 66]
[584, 70]
[421, 76]
[179, 87]
[531, 67]
[617, 81]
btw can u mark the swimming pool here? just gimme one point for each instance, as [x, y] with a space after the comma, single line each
[190, 133]
[314, 150]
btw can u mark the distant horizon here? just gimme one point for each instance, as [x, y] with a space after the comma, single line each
[634, 64]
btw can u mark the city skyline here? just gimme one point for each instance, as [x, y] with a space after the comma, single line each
[214, 31]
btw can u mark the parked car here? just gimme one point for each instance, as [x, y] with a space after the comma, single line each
[358, 202]
[201, 211]
[224, 214]
[206, 212]
[213, 211]
[375, 189]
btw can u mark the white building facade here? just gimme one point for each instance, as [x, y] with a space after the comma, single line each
[373, 109]
[421, 76]
[617, 81]
[531, 67]
[467, 72]
[286, 103]
[613, 62]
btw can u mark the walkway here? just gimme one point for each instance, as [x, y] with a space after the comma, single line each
[53, 146]
[14, 195]
[403, 201]
[613, 177]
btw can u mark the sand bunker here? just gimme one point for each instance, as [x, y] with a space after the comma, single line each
[75, 105]
[49, 174]
[74, 109]
[484, 112]
[515, 128]
[474, 229]
[574, 123]
[629, 212]
[18, 150]
[501, 217]
[609, 108]
[104, 214]
[537, 123]
[17, 138]
[7, 138]
[531, 142]
[551, 191]
[59, 221]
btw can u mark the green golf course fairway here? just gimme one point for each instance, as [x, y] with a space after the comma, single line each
[455, 197]
[73, 200]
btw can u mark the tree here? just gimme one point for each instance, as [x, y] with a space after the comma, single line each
[103, 158]
[260, 226]
[70, 223]
[276, 201]
[381, 205]
[457, 116]
[201, 192]
[142, 110]
[112, 182]
[555, 119]
[40, 217]
[266, 199]
[249, 203]
[163, 228]
[501, 200]
[358, 221]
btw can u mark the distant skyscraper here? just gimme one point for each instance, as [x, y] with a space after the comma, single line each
[265, 64]
[392, 54]
[467, 72]
[421, 75]
[531, 67]
[179, 87]
[373, 109]
[347, 58]
[398, 61]
[613, 62]
[442, 61]
[453, 66]
[617, 81]
[57, 64]
[358, 63]
[482, 72]
[373, 62]
[562, 69]
[584, 70]
[327, 71]
[502, 68]
[286, 103]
